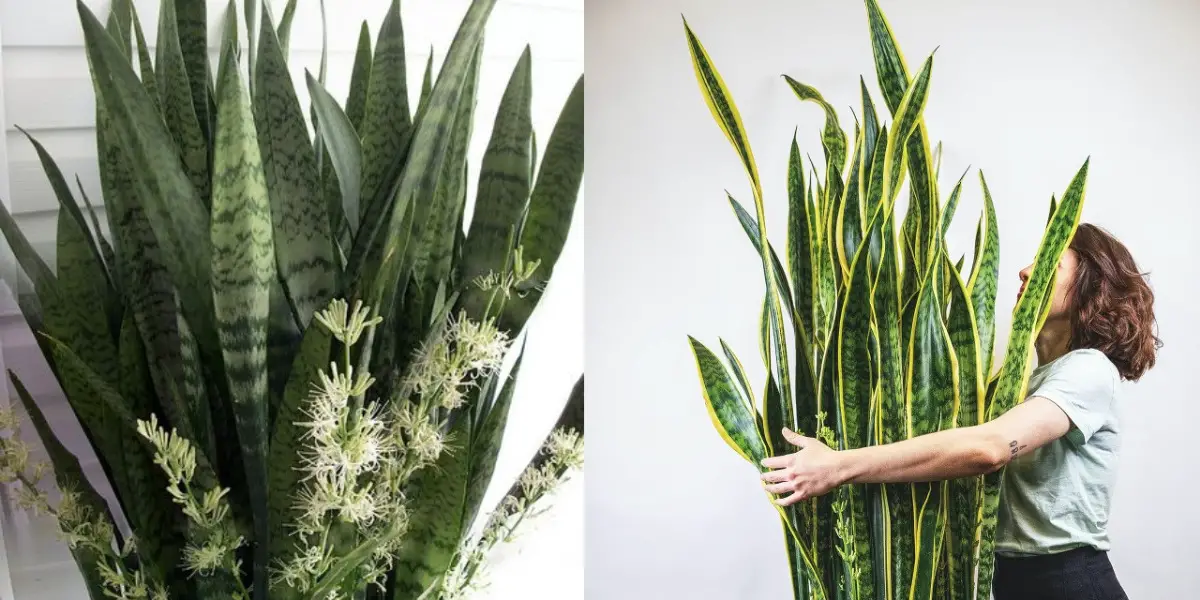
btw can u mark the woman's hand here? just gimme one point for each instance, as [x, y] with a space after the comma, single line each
[813, 471]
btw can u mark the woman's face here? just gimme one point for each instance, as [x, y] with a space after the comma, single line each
[1062, 283]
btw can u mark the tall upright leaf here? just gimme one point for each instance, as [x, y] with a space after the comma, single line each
[985, 274]
[360, 78]
[192, 16]
[503, 185]
[186, 120]
[285, 25]
[963, 500]
[430, 140]
[1014, 373]
[169, 200]
[386, 121]
[852, 409]
[304, 249]
[551, 204]
[894, 82]
[243, 267]
[66, 202]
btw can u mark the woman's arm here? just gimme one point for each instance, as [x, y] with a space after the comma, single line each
[950, 454]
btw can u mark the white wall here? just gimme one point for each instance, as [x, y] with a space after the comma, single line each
[1021, 89]
[46, 89]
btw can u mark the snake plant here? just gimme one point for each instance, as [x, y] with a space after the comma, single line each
[292, 359]
[891, 338]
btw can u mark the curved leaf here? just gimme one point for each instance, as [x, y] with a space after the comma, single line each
[344, 148]
[729, 413]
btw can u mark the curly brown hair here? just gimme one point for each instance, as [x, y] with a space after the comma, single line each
[1113, 303]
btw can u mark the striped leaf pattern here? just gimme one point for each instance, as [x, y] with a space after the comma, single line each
[243, 267]
[304, 249]
[892, 339]
[503, 183]
[229, 226]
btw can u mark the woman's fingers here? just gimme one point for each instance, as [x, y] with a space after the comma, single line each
[776, 476]
[776, 462]
[779, 488]
[795, 439]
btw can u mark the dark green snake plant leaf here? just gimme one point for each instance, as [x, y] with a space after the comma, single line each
[833, 139]
[186, 120]
[243, 267]
[485, 445]
[71, 316]
[66, 200]
[145, 63]
[360, 78]
[426, 81]
[304, 250]
[933, 395]
[169, 200]
[154, 518]
[433, 258]
[435, 527]
[551, 203]
[285, 25]
[894, 82]
[430, 138]
[345, 153]
[959, 554]
[801, 243]
[503, 185]
[725, 113]
[192, 28]
[852, 412]
[386, 121]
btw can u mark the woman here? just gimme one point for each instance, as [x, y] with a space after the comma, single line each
[1060, 445]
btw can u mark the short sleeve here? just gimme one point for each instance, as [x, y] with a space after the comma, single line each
[1083, 386]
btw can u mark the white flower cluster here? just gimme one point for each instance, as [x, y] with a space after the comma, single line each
[452, 361]
[213, 539]
[344, 442]
[564, 454]
[351, 463]
[359, 457]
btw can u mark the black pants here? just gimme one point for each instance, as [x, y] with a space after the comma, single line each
[1080, 574]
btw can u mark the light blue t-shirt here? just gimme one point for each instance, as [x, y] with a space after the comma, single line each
[1057, 497]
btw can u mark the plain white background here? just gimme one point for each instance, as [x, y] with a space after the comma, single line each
[46, 89]
[1024, 89]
